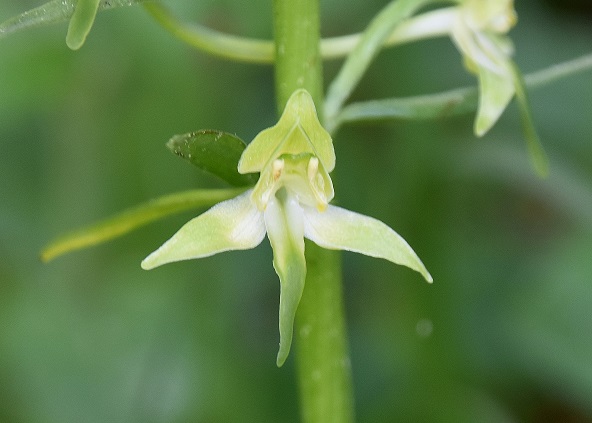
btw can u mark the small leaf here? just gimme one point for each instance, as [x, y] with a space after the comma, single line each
[215, 152]
[133, 218]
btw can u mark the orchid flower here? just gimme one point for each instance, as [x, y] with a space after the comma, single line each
[290, 202]
[477, 28]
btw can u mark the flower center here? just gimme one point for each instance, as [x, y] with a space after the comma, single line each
[301, 175]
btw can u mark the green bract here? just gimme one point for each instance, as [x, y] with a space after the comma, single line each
[215, 152]
[289, 202]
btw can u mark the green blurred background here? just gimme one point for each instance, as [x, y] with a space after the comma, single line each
[503, 335]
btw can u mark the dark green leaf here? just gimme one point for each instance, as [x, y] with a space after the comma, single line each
[216, 152]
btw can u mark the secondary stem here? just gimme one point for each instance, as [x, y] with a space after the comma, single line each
[323, 363]
[324, 369]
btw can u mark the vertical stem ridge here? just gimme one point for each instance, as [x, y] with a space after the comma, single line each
[297, 48]
[324, 368]
[323, 364]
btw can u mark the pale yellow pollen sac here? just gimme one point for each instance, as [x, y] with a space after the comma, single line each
[301, 175]
[313, 168]
[503, 22]
[317, 184]
[277, 168]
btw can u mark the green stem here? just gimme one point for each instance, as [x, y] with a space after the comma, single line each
[322, 360]
[211, 41]
[324, 368]
[298, 62]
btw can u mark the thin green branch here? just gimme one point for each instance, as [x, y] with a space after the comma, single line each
[424, 107]
[558, 71]
[262, 51]
[446, 104]
[52, 12]
[212, 41]
[135, 217]
[366, 50]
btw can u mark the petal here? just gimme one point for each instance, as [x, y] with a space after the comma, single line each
[283, 219]
[234, 224]
[481, 49]
[341, 229]
[495, 92]
[487, 55]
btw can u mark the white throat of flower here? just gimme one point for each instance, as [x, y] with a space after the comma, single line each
[301, 175]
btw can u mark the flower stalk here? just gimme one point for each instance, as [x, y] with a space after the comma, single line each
[324, 372]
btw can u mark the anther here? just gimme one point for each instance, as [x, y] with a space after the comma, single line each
[277, 167]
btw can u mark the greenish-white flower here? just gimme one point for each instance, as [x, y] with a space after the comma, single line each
[290, 202]
[478, 28]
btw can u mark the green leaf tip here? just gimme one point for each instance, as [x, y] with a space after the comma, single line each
[81, 22]
[215, 152]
